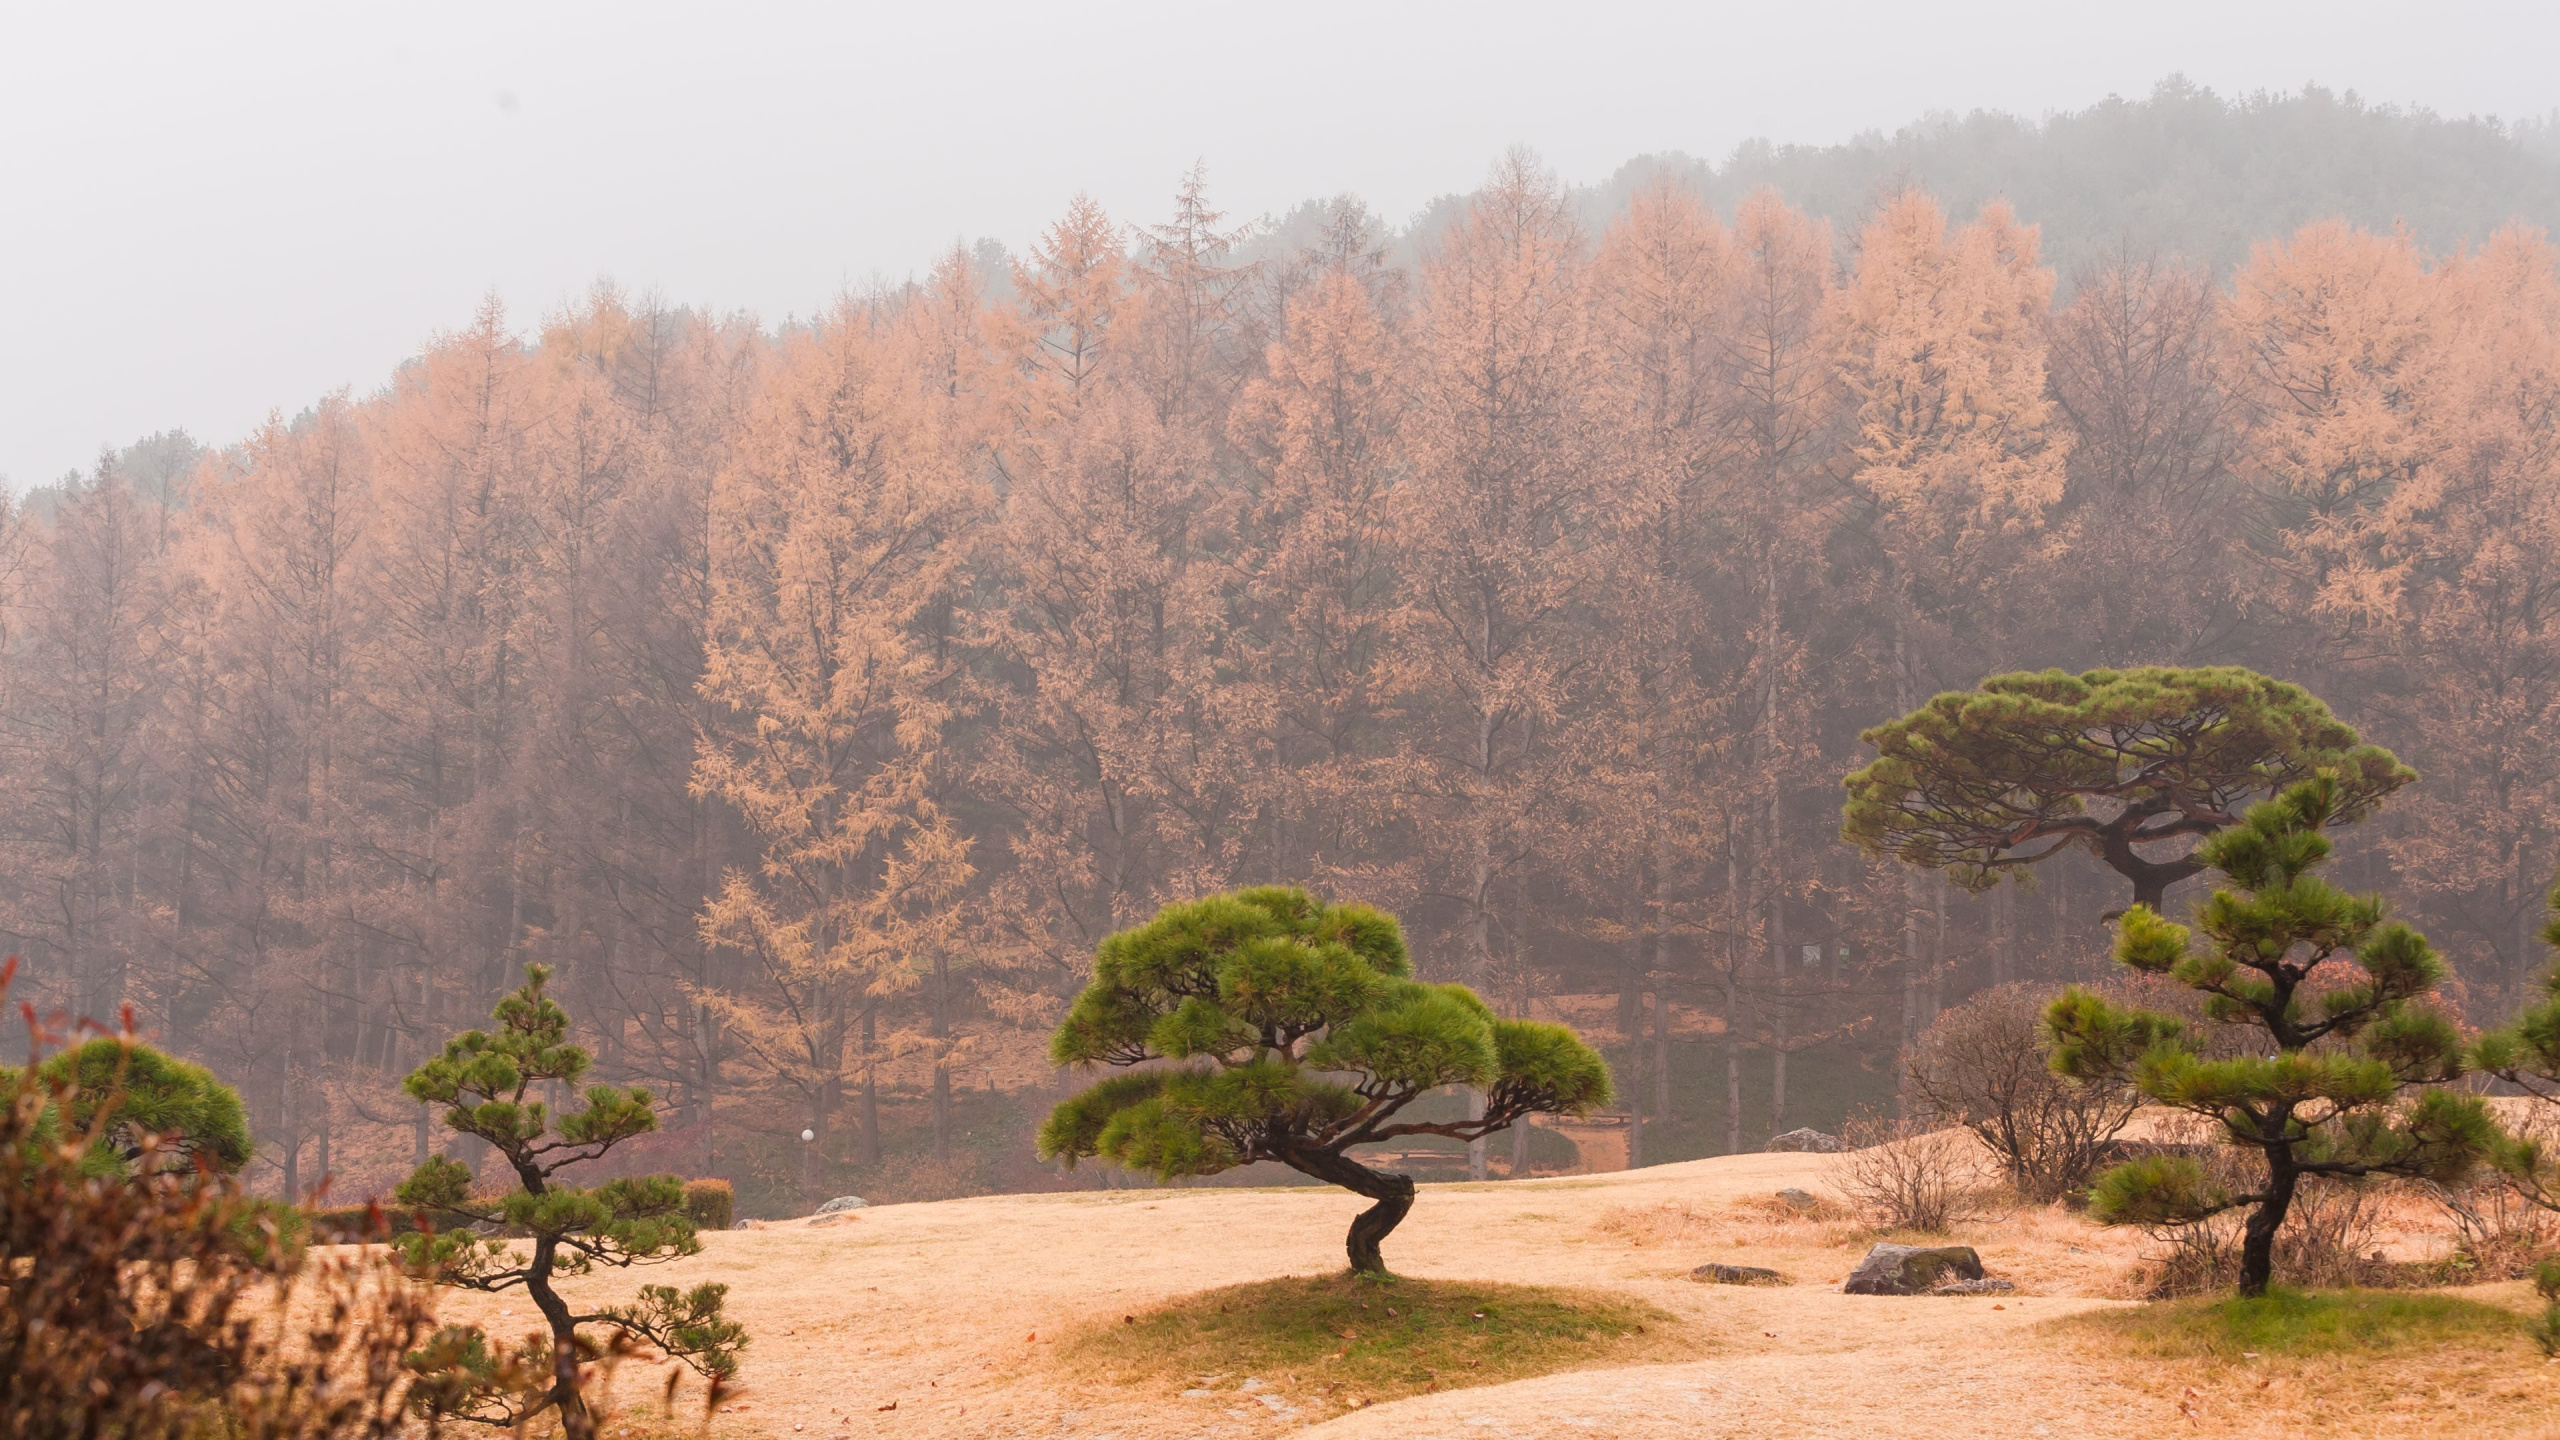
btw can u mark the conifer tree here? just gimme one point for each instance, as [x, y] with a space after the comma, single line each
[2004, 775]
[2328, 1102]
[484, 1081]
[1294, 1032]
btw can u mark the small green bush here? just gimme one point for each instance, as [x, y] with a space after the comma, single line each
[710, 1204]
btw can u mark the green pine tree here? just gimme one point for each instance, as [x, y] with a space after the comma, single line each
[2021, 766]
[1278, 1027]
[483, 1081]
[144, 1107]
[2336, 991]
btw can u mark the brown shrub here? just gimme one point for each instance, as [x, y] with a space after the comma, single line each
[1982, 1065]
[1905, 1177]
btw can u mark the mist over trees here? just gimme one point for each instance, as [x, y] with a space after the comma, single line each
[814, 700]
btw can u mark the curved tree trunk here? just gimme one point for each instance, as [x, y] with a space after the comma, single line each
[1369, 1229]
[2258, 1241]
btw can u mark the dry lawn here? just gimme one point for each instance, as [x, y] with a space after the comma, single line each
[979, 1317]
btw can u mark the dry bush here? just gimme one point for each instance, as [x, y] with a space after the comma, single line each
[166, 1304]
[1982, 1065]
[2497, 1233]
[1904, 1177]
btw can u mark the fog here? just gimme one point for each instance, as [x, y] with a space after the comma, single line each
[212, 215]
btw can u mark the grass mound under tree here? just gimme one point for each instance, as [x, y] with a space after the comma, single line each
[1353, 1337]
[1295, 1033]
[2300, 1323]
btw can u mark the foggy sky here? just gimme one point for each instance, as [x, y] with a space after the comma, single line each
[204, 216]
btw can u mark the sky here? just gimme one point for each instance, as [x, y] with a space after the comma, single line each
[212, 212]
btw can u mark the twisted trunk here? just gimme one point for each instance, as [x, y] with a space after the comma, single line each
[1369, 1229]
[2258, 1240]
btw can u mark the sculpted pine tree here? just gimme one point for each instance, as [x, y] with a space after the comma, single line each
[483, 1081]
[1278, 1027]
[2004, 775]
[2327, 1103]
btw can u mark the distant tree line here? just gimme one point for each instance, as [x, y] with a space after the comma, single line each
[814, 701]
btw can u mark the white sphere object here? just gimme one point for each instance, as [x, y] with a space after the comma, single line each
[808, 1134]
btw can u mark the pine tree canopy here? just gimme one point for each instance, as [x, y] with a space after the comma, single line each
[2023, 765]
[2337, 995]
[1278, 1027]
[121, 1090]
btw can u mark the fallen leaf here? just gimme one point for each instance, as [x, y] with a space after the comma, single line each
[1391, 1310]
[1030, 1338]
[1999, 1307]
[1128, 1319]
[1479, 1314]
[892, 1405]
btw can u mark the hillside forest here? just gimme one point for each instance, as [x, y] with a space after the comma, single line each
[813, 697]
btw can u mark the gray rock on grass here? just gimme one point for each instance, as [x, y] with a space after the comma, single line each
[1714, 1274]
[1798, 1199]
[1973, 1287]
[1807, 1140]
[1912, 1269]
[844, 1202]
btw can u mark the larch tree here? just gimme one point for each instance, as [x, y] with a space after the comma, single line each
[1498, 517]
[1321, 588]
[841, 532]
[1660, 296]
[2473, 642]
[1954, 457]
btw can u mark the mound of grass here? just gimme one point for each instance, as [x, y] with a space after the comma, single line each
[2300, 1323]
[1344, 1340]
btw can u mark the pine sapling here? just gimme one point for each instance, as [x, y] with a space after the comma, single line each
[483, 1080]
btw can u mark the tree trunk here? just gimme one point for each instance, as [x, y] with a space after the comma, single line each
[1369, 1229]
[576, 1422]
[870, 1089]
[2258, 1241]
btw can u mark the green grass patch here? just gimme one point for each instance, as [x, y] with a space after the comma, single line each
[2297, 1322]
[1337, 1341]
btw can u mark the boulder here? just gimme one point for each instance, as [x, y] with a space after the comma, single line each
[1911, 1269]
[844, 1202]
[1798, 1199]
[1807, 1140]
[1713, 1274]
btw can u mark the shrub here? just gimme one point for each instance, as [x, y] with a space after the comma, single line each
[117, 1090]
[710, 1204]
[138, 1305]
[1983, 1066]
[1904, 1176]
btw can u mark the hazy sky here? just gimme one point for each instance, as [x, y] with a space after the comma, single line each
[211, 211]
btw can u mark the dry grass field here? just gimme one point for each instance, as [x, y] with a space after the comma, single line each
[1035, 1316]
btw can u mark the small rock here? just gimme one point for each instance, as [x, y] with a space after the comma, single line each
[1813, 1141]
[1911, 1269]
[1973, 1287]
[1799, 1199]
[844, 1202]
[1713, 1274]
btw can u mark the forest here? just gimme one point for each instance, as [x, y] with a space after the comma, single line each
[813, 697]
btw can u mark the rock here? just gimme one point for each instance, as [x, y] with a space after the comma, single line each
[1813, 1141]
[1713, 1274]
[1973, 1287]
[1911, 1269]
[1799, 1199]
[844, 1202]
